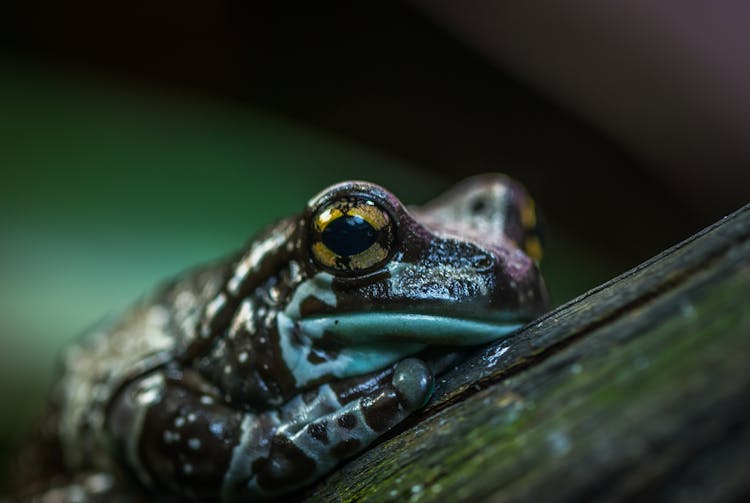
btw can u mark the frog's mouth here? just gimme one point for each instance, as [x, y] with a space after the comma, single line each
[357, 328]
[319, 347]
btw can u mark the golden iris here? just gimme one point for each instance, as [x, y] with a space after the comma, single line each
[351, 234]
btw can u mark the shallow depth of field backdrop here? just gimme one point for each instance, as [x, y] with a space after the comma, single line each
[139, 138]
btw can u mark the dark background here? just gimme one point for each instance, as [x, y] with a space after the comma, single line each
[141, 137]
[384, 77]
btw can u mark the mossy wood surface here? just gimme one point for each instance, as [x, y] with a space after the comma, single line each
[638, 389]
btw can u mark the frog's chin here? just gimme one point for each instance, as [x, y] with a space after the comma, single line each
[399, 327]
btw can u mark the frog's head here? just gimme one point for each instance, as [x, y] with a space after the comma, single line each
[379, 281]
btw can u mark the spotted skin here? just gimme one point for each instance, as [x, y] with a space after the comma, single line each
[251, 377]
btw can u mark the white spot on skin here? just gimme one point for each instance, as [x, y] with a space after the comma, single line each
[184, 300]
[216, 428]
[191, 417]
[244, 317]
[227, 369]
[194, 443]
[213, 307]
[274, 294]
[187, 468]
[147, 393]
[294, 272]
[207, 400]
[179, 421]
[242, 357]
[150, 390]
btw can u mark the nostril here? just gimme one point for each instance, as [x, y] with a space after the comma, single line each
[482, 262]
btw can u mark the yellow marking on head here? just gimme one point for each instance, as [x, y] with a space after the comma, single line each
[528, 214]
[533, 248]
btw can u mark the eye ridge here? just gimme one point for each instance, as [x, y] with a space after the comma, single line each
[352, 234]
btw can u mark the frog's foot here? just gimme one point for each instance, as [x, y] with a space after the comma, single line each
[301, 454]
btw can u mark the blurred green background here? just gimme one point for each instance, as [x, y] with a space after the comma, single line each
[140, 139]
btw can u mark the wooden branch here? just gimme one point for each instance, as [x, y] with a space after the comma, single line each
[638, 389]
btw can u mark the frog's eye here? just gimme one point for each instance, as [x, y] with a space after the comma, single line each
[351, 234]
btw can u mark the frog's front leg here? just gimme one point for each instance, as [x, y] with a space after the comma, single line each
[177, 435]
[302, 451]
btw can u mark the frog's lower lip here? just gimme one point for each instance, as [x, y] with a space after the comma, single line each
[397, 327]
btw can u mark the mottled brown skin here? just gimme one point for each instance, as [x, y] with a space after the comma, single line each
[251, 377]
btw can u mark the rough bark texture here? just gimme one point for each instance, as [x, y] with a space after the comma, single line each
[638, 389]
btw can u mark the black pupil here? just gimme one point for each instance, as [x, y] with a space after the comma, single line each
[349, 235]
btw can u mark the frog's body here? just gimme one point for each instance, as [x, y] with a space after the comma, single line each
[252, 377]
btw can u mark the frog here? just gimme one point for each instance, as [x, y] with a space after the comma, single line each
[256, 375]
